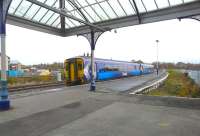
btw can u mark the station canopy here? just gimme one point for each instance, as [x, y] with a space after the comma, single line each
[72, 17]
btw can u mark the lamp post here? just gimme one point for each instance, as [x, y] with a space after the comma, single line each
[157, 41]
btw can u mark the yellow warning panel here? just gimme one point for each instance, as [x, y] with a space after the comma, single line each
[66, 70]
[72, 71]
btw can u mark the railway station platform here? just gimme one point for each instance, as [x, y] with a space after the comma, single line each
[110, 111]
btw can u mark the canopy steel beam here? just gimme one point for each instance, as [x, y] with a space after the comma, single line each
[175, 12]
[65, 14]
[21, 22]
[76, 6]
[195, 17]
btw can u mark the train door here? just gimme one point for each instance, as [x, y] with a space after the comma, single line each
[66, 70]
[72, 71]
[80, 70]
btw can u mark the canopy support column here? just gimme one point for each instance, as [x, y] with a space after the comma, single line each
[4, 100]
[92, 37]
[62, 18]
[92, 44]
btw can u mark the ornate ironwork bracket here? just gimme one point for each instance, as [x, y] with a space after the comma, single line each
[92, 38]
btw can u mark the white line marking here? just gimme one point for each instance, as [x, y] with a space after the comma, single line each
[52, 90]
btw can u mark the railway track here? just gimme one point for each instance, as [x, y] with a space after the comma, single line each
[35, 86]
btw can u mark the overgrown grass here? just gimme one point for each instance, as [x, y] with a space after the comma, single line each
[14, 81]
[177, 84]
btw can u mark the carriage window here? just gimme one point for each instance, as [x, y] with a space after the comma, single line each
[66, 66]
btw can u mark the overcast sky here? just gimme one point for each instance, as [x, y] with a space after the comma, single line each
[179, 41]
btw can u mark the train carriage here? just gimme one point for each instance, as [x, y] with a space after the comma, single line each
[78, 69]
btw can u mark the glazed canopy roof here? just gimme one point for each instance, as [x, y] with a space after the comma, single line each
[71, 17]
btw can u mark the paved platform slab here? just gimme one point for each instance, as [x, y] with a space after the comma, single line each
[125, 84]
[73, 111]
[25, 104]
[109, 115]
[128, 119]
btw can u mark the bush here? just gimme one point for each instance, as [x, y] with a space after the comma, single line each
[178, 84]
[30, 80]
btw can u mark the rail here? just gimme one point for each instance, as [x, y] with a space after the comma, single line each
[35, 86]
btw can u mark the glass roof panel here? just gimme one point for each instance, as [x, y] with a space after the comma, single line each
[88, 16]
[68, 6]
[186, 1]
[74, 11]
[41, 13]
[45, 19]
[140, 6]
[101, 13]
[56, 23]
[116, 6]
[67, 26]
[93, 10]
[92, 14]
[59, 25]
[77, 14]
[48, 13]
[82, 2]
[75, 23]
[52, 19]
[35, 13]
[22, 8]
[31, 11]
[128, 7]
[51, 2]
[150, 5]
[69, 23]
[175, 2]
[96, 11]
[162, 3]
[13, 6]
[108, 9]
[91, 1]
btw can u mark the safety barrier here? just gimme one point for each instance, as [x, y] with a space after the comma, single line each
[150, 87]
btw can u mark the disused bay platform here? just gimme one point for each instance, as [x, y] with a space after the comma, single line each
[74, 111]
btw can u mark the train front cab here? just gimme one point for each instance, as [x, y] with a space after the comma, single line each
[74, 71]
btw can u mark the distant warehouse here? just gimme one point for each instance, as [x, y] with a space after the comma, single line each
[13, 68]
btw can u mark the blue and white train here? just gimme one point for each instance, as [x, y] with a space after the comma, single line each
[78, 69]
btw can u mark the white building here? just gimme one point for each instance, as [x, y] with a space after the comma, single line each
[15, 65]
[7, 62]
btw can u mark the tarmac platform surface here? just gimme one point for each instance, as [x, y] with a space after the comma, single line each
[74, 111]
